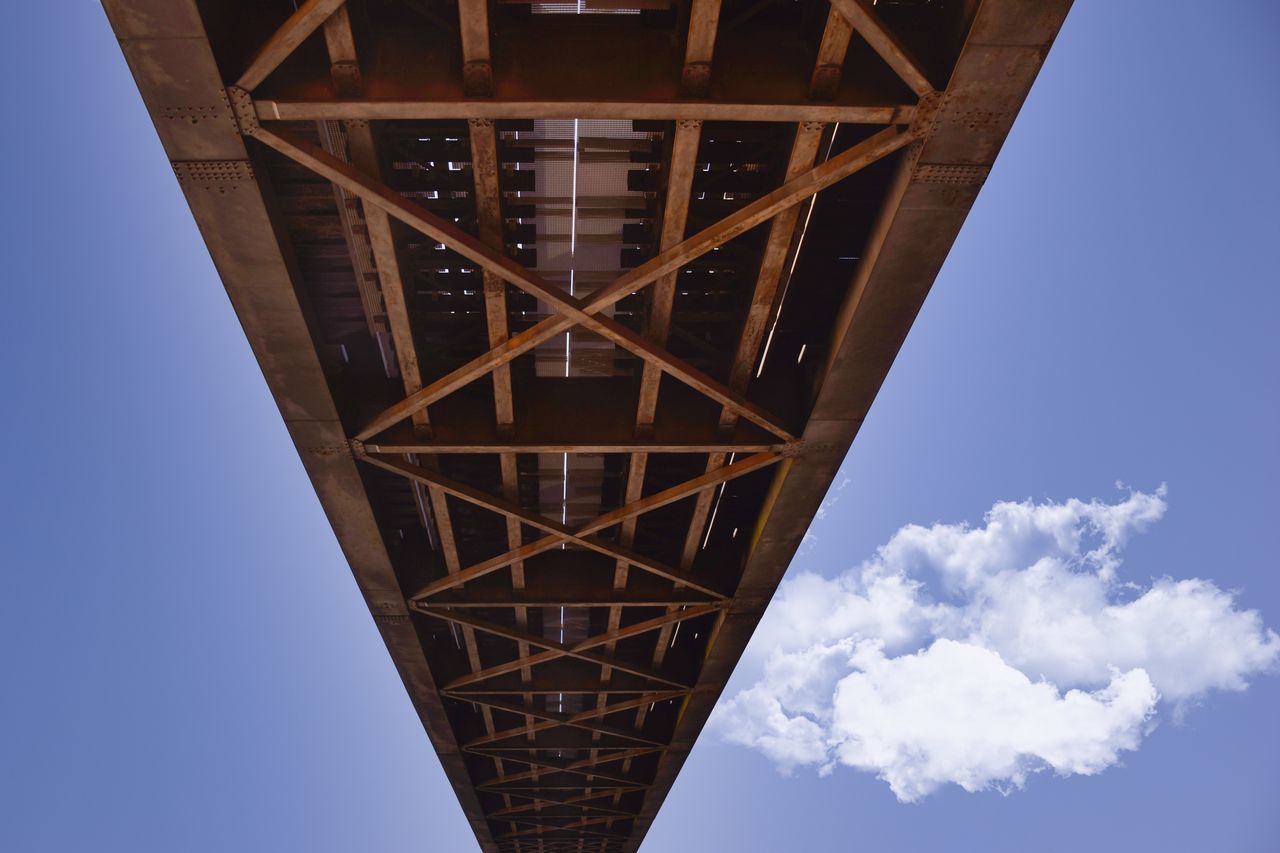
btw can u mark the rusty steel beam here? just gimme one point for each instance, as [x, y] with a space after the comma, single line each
[478, 81]
[579, 801]
[684, 154]
[345, 70]
[391, 448]
[592, 777]
[577, 766]
[766, 207]
[700, 44]
[863, 19]
[495, 109]
[829, 67]
[304, 21]
[628, 511]
[551, 720]
[230, 196]
[567, 534]
[577, 825]
[804, 153]
[574, 311]
[556, 650]
[473, 24]
[572, 680]
[911, 238]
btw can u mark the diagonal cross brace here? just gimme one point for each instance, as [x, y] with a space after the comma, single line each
[581, 767]
[579, 827]
[578, 801]
[580, 720]
[555, 650]
[512, 510]
[669, 260]
[573, 311]
[885, 43]
[305, 20]
[603, 522]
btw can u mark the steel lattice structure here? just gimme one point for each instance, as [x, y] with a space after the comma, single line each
[572, 311]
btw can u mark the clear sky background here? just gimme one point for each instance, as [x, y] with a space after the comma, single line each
[187, 661]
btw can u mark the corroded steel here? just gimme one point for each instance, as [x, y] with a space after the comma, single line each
[572, 311]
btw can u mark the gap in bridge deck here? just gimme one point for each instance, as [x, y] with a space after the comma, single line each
[585, 213]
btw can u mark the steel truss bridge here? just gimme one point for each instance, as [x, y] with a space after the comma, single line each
[572, 310]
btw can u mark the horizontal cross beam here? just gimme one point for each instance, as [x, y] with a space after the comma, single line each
[505, 108]
[625, 446]
[575, 598]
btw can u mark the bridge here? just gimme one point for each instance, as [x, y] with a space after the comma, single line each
[572, 310]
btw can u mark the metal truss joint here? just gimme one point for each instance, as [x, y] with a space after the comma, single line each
[793, 449]
[926, 114]
[245, 111]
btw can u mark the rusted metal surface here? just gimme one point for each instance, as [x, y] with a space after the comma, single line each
[570, 436]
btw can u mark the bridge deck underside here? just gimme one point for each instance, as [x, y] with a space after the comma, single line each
[572, 311]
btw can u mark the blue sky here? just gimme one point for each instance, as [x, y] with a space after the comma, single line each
[188, 662]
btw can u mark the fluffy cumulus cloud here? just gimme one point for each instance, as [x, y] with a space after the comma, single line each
[979, 655]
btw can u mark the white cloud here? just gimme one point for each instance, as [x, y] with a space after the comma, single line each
[958, 713]
[1035, 656]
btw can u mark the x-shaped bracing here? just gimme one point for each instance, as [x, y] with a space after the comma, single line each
[573, 311]
[585, 312]
[580, 720]
[578, 801]
[556, 650]
[582, 767]
[577, 826]
[512, 510]
[559, 533]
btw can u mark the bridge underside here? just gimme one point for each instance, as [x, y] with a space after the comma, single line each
[572, 311]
